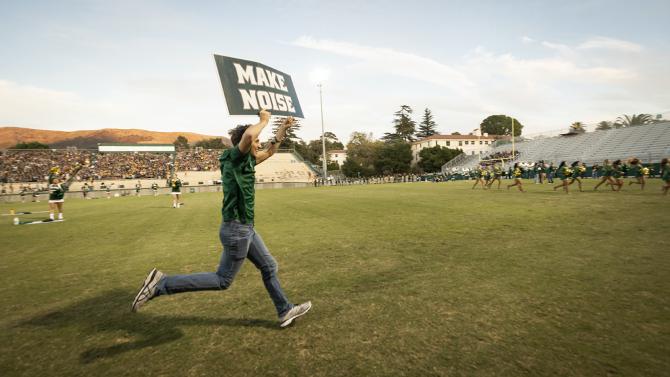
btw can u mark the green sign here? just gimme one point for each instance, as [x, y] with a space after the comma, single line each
[249, 87]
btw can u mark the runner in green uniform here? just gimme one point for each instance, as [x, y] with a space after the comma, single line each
[517, 173]
[578, 170]
[497, 172]
[563, 173]
[240, 239]
[486, 174]
[617, 175]
[175, 184]
[606, 170]
[637, 170]
[478, 175]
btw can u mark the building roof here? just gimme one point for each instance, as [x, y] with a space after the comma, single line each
[337, 151]
[456, 137]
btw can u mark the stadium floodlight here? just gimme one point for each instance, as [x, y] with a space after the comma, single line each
[320, 75]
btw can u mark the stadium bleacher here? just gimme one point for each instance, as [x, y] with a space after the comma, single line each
[649, 142]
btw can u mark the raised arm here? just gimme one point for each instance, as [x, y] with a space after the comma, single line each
[251, 134]
[274, 143]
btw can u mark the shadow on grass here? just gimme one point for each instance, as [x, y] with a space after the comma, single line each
[110, 312]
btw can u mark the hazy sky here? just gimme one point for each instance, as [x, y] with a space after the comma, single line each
[70, 65]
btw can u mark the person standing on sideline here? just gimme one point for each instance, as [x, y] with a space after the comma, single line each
[154, 188]
[138, 188]
[237, 234]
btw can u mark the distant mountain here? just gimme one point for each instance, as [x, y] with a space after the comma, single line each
[10, 136]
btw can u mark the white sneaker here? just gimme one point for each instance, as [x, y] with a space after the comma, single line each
[294, 313]
[148, 290]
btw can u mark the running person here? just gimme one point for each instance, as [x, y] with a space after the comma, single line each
[154, 188]
[517, 173]
[175, 184]
[638, 171]
[563, 173]
[478, 175]
[607, 175]
[138, 188]
[618, 172]
[237, 234]
[497, 172]
[578, 170]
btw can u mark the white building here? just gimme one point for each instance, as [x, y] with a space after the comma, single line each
[337, 155]
[469, 144]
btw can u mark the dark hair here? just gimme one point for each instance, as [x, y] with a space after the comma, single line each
[575, 164]
[516, 164]
[237, 132]
[617, 162]
[562, 164]
[664, 161]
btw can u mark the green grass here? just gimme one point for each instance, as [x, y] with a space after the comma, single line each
[406, 279]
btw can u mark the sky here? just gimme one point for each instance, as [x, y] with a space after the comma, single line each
[81, 65]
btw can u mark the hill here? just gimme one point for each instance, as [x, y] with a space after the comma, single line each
[9, 136]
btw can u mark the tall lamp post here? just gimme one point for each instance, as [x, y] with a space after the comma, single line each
[323, 137]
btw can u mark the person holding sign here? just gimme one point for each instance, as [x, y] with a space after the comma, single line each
[237, 234]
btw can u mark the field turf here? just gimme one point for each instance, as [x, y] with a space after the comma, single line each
[417, 279]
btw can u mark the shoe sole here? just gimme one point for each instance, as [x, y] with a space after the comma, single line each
[289, 321]
[145, 287]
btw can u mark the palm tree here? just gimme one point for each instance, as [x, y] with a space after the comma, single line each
[577, 127]
[604, 125]
[635, 120]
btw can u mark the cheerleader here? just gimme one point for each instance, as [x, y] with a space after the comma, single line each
[497, 172]
[578, 170]
[57, 191]
[517, 173]
[607, 175]
[563, 173]
[639, 172]
[478, 175]
[618, 172]
[486, 172]
[175, 184]
[665, 175]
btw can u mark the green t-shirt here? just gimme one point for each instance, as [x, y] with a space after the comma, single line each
[238, 176]
[665, 175]
[176, 185]
[57, 191]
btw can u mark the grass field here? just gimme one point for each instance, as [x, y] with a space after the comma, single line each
[413, 279]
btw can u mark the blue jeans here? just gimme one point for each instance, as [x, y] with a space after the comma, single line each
[240, 241]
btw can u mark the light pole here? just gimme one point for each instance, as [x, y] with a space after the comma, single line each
[323, 137]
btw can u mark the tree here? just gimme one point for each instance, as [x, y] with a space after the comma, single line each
[500, 125]
[405, 127]
[30, 145]
[604, 125]
[577, 128]
[635, 120]
[427, 127]
[393, 158]
[291, 138]
[361, 154]
[181, 142]
[213, 143]
[455, 133]
[433, 158]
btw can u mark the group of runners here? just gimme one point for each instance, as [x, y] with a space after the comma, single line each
[611, 174]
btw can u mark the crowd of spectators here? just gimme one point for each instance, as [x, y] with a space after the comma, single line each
[502, 154]
[34, 165]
